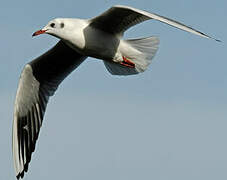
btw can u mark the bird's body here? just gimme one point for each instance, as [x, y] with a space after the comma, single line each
[94, 42]
[100, 37]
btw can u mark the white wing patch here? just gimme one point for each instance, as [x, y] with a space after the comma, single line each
[27, 92]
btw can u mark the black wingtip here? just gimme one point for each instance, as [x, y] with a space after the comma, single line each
[217, 40]
[20, 175]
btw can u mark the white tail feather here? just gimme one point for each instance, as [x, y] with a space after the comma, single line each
[146, 50]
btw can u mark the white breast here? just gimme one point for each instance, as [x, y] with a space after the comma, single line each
[74, 34]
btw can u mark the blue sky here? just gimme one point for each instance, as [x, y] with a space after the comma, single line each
[166, 123]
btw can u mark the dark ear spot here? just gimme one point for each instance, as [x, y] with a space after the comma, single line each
[52, 25]
[62, 25]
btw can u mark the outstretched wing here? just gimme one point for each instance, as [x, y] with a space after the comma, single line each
[39, 80]
[119, 18]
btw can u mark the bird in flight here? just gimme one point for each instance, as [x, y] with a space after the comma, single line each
[99, 37]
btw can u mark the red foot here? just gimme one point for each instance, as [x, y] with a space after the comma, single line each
[127, 62]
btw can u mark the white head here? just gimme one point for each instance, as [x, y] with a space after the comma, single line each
[57, 27]
[70, 30]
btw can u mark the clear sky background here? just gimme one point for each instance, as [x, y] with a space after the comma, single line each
[168, 123]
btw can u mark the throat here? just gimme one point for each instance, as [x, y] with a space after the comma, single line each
[74, 47]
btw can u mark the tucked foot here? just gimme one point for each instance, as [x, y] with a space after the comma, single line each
[126, 62]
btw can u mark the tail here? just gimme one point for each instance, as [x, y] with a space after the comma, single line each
[141, 54]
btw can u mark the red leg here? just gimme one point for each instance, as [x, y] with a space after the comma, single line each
[127, 62]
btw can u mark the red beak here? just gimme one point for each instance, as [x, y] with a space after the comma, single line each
[39, 32]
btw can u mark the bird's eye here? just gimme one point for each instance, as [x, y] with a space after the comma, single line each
[62, 25]
[52, 25]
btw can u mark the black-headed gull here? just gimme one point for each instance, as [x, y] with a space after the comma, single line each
[99, 37]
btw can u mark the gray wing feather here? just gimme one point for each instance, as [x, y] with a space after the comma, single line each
[119, 18]
[39, 80]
